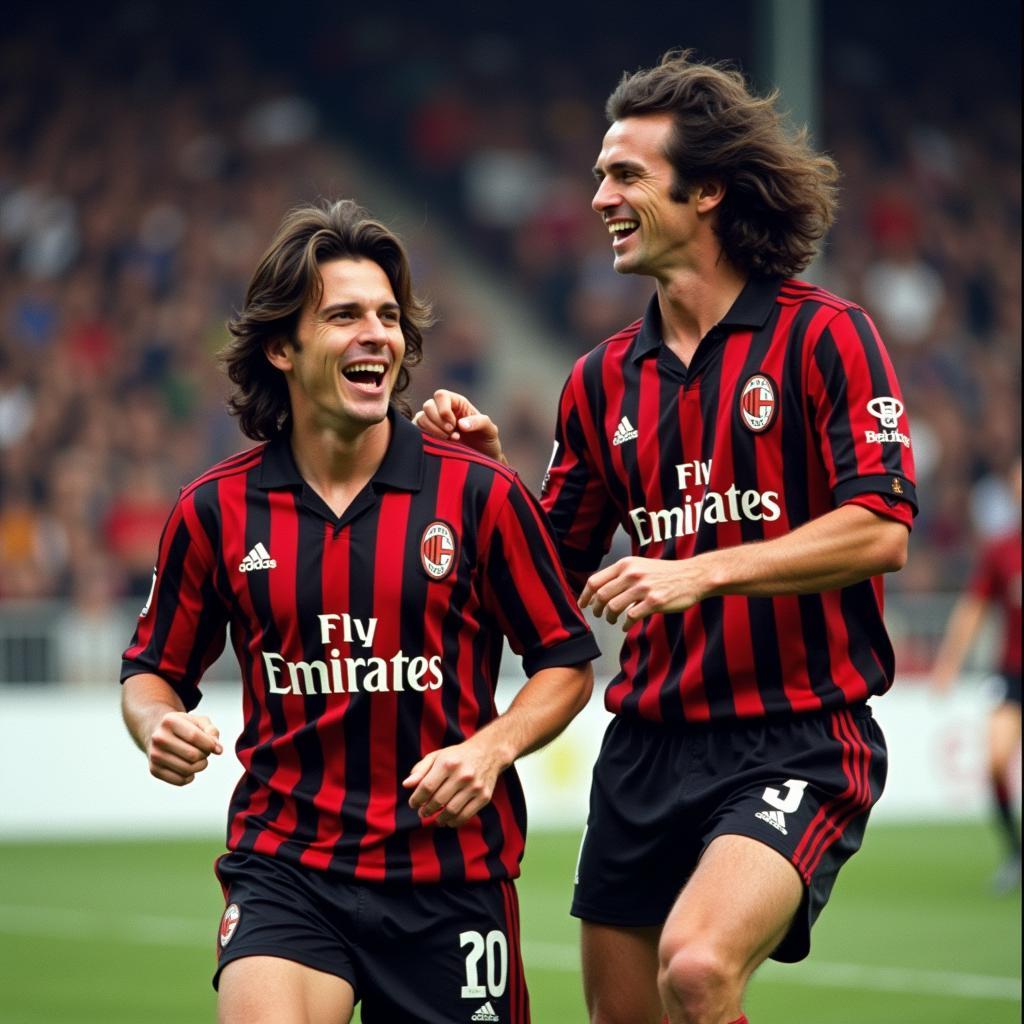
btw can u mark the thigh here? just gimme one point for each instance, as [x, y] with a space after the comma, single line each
[1003, 736]
[620, 974]
[805, 792]
[739, 904]
[434, 954]
[269, 990]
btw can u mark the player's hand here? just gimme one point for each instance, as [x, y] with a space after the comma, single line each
[633, 588]
[453, 417]
[180, 746]
[456, 781]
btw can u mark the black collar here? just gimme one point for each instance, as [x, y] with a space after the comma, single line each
[402, 468]
[752, 308]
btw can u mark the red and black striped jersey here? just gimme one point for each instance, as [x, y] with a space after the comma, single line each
[997, 580]
[364, 642]
[789, 408]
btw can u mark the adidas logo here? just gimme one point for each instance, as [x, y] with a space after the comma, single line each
[776, 819]
[624, 432]
[258, 558]
[486, 1012]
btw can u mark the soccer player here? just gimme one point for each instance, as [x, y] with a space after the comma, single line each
[749, 435]
[368, 576]
[996, 585]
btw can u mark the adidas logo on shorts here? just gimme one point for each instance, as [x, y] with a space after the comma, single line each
[776, 819]
[486, 1012]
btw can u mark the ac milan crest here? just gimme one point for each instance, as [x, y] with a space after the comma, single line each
[759, 403]
[438, 550]
[228, 923]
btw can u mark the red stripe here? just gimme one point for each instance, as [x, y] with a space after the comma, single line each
[240, 463]
[389, 559]
[833, 816]
[519, 998]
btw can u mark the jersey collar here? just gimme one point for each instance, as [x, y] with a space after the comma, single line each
[402, 468]
[752, 308]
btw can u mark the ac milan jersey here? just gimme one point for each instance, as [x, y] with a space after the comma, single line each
[789, 408]
[364, 642]
[998, 580]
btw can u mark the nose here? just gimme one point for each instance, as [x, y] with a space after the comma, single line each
[373, 330]
[606, 197]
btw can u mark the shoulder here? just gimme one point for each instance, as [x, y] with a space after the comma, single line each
[453, 451]
[234, 465]
[804, 294]
[615, 348]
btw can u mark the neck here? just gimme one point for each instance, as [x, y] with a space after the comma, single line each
[694, 299]
[336, 465]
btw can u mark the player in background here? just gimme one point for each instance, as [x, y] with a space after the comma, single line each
[367, 576]
[749, 435]
[996, 585]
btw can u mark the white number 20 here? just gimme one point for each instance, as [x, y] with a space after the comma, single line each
[496, 948]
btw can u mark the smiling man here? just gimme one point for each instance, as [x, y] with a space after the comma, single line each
[368, 576]
[749, 436]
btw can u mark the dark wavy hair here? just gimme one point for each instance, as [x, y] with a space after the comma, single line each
[780, 195]
[287, 277]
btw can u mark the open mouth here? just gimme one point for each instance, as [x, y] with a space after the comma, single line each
[622, 229]
[368, 375]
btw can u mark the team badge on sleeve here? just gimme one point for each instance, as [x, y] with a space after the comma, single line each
[758, 403]
[229, 922]
[438, 550]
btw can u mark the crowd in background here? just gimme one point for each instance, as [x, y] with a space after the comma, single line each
[141, 175]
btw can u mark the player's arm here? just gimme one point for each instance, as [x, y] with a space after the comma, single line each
[460, 780]
[453, 417]
[964, 625]
[840, 548]
[176, 744]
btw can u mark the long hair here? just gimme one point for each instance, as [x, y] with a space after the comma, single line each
[288, 276]
[780, 195]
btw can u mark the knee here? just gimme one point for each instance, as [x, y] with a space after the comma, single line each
[699, 980]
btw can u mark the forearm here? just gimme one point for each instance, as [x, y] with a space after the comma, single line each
[963, 627]
[836, 550]
[545, 705]
[145, 700]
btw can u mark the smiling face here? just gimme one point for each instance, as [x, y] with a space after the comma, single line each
[349, 350]
[650, 231]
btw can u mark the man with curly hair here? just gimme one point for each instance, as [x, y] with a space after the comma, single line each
[749, 435]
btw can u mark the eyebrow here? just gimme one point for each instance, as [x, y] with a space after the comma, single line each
[337, 307]
[619, 165]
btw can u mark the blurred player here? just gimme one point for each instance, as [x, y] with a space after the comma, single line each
[749, 435]
[368, 576]
[996, 584]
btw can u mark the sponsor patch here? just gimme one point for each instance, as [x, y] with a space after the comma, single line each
[886, 410]
[229, 923]
[438, 550]
[759, 403]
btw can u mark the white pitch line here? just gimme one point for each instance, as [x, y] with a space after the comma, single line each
[151, 929]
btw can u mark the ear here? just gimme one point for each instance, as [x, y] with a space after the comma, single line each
[709, 194]
[278, 351]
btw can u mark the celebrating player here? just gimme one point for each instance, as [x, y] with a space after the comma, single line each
[749, 435]
[368, 576]
[996, 583]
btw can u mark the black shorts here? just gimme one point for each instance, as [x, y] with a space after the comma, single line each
[802, 785]
[418, 953]
[1011, 688]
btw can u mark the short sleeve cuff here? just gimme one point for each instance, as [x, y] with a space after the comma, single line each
[189, 694]
[893, 489]
[574, 651]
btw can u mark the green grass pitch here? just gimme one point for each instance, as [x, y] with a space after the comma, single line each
[112, 932]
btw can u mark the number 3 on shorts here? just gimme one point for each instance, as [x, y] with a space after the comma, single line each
[495, 946]
[788, 804]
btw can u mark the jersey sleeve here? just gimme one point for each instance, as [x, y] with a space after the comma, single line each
[860, 418]
[181, 629]
[527, 591]
[573, 493]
